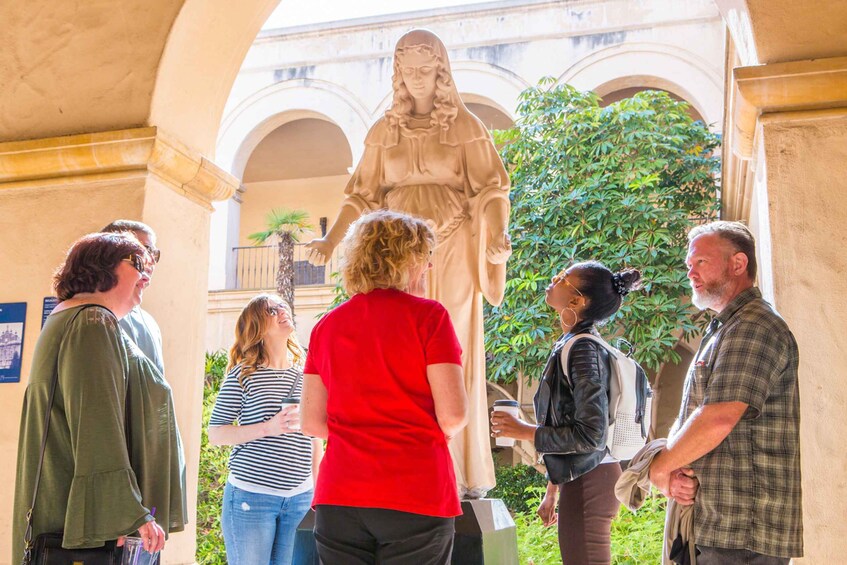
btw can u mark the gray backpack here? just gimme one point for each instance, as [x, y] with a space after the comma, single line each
[630, 400]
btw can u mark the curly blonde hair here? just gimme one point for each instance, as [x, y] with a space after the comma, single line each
[380, 250]
[253, 323]
[444, 111]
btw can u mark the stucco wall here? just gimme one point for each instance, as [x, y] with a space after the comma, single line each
[807, 180]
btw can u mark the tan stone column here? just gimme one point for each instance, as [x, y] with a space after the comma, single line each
[54, 190]
[795, 115]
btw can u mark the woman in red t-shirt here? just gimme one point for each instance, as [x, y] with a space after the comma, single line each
[383, 382]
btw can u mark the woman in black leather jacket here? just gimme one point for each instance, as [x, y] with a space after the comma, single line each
[573, 415]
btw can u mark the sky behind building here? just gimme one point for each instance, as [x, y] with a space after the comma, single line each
[303, 12]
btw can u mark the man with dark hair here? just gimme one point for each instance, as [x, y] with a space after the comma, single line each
[734, 452]
[139, 324]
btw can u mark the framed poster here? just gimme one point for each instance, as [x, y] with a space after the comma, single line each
[12, 320]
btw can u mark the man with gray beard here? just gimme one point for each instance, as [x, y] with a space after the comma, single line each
[734, 451]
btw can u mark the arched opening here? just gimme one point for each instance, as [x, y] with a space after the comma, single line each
[302, 164]
[492, 117]
[628, 92]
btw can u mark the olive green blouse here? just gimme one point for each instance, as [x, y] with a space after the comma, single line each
[113, 449]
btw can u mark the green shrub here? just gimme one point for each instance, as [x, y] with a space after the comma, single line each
[516, 487]
[213, 472]
[622, 184]
[636, 537]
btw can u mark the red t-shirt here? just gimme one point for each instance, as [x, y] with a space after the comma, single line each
[385, 449]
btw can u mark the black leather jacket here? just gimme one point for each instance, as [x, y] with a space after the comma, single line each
[573, 420]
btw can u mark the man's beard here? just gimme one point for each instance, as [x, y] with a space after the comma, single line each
[711, 294]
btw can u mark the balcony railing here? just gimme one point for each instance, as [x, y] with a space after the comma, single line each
[256, 267]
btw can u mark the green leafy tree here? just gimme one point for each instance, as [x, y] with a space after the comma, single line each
[622, 184]
[212, 472]
[287, 226]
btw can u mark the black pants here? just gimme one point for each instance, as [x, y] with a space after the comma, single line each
[587, 506]
[720, 556]
[359, 536]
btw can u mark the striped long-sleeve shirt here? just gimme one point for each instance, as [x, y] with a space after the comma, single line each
[279, 465]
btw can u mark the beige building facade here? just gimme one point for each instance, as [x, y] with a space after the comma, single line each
[295, 123]
[117, 112]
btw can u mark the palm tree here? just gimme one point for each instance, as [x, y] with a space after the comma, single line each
[287, 226]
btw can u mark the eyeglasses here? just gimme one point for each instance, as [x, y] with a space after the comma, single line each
[154, 253]
[563, 277]
[138, 262]
[570, 284]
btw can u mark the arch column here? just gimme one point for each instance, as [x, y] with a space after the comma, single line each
[791, 198]
[58, 189]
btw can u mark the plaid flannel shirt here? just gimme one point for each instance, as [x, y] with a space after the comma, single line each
[750, 492]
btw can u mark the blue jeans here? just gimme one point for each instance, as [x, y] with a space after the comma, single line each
[260, 528]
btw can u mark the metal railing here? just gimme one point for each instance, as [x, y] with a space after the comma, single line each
[256, 267]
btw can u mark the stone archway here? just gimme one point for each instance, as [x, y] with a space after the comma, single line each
[652, 66]
[254, 118]
[271, 107]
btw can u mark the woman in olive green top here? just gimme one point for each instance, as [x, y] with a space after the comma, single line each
[113, 457]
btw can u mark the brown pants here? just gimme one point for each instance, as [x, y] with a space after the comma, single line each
[587, 506]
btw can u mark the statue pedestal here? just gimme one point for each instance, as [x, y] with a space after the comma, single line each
[485, 534]
[305, 549]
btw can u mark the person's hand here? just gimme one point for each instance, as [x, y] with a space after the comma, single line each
[320, 250]
[499, 249]
[152, 537]
[547, 510]
[285, 421]
[683, 486]
[504, 424]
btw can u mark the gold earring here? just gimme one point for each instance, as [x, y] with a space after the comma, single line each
[575, 317]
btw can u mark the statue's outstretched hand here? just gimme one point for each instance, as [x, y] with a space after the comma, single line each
[499, 250]
[319, 251]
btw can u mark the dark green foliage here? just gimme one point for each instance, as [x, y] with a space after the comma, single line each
[516, 486]
[621, 184]
[213, 472]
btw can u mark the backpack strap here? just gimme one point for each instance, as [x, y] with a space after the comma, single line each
[566, 351]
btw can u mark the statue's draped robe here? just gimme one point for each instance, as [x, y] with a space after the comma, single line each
[447, 177]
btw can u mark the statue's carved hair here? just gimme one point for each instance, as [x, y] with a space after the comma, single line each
[380, 250]
[444, 111]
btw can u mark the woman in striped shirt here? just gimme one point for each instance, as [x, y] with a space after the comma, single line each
[272, 465]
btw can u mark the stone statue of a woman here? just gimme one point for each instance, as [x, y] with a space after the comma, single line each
[428, 156]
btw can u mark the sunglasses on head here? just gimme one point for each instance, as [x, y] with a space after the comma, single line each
[137, 261]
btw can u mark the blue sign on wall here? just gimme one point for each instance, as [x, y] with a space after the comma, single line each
[12, 320]
[50, 302]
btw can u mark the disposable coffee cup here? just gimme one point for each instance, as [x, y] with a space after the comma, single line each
[512, 407]
[135, 554]
[296, 401]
